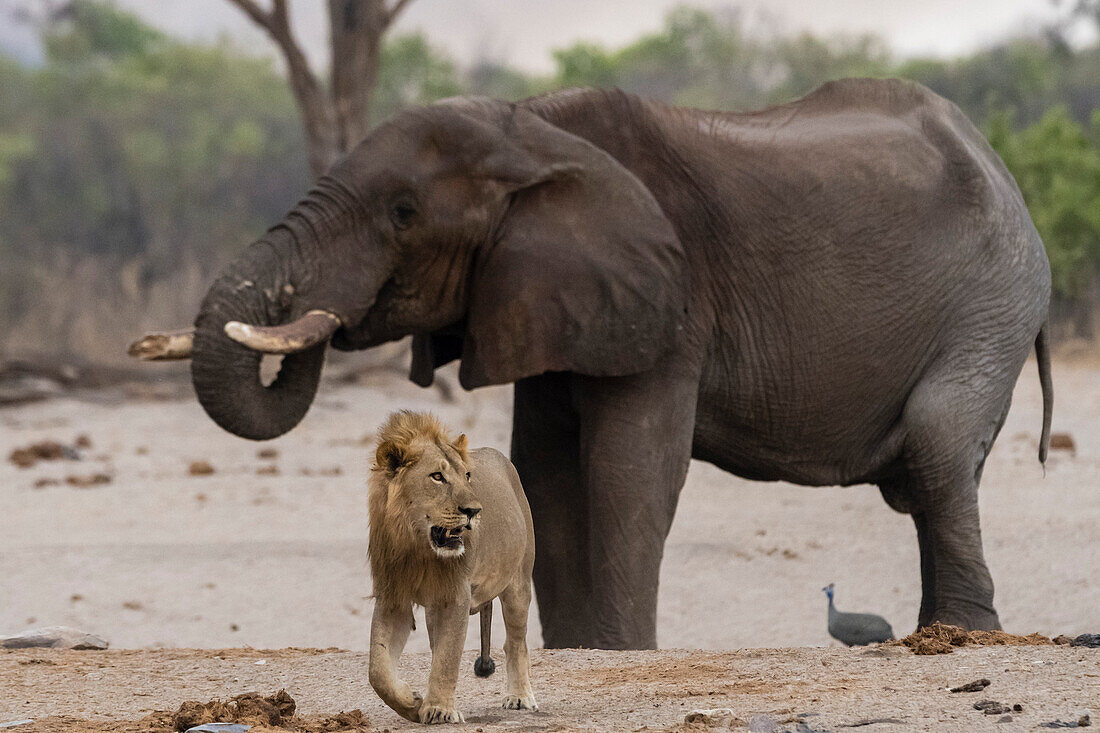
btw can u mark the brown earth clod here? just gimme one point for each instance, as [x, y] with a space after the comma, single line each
[274, 711]
[88, 480]
[200, 468]
[47, 450]
[975, 686]
[943, 639]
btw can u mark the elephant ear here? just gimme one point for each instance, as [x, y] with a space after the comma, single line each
[585, 274]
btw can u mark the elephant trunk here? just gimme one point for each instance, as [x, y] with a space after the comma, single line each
[257, 290]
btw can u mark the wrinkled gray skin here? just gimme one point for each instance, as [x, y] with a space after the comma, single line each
[837, 291]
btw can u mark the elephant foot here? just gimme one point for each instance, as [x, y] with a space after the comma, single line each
[971, 620]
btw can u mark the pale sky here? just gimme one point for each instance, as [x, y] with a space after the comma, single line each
[523, 32]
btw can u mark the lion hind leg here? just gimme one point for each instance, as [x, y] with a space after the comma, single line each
[515, 602]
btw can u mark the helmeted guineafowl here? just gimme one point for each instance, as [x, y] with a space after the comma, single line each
[856, 629]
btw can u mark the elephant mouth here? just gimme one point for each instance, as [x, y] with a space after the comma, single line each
[447, 542]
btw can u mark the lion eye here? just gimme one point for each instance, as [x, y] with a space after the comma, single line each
[467, 475]
[437, 476]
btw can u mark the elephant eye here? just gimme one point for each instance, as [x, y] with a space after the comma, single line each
[402, 214]
[437, 477]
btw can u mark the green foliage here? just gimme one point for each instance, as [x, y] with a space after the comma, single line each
[698, 59]
[1021, 76]
[808, 61]
[129, 147]
[412, 73]
[1056, 163]
[94, 29]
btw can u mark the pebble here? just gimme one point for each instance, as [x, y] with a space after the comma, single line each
[763, 724]
[710, 716]
[52, 637]
[1088, 640]
[219, 728]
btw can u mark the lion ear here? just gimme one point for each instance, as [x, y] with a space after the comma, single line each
[461, 445]
[391, 457]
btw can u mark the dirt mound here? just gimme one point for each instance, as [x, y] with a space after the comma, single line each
[272, 713]
[942, 639]
[249, 708]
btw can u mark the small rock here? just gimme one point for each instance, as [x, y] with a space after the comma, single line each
[1082, 722]
[975, 686]
[52, 637]
[991, 707]
[1087, 640]
[200, 468]
[1004, 719]
[712, 716]
[44, 482]
[763, 724]
[267, 453]
[267, 471]
[83, 441]
[1062, 639]
[219, 728]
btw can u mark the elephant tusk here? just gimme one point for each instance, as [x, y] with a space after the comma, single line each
[165, 346]
[289, 338]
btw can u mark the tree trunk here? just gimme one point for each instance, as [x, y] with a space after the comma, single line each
[357, 28]
[335, 120]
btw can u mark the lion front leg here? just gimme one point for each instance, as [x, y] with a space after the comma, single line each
[447, 633]
[389, 630]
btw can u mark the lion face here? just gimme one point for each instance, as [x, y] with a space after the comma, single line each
[439, 502]
[421, 503]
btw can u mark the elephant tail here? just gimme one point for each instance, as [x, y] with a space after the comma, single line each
[1042, 355]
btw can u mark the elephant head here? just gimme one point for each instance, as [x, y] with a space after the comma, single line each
[483, 230]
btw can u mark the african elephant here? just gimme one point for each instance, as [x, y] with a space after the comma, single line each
[839, 290]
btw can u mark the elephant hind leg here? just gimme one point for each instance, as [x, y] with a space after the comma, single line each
[950, 429]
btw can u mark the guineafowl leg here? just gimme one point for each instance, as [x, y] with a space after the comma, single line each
[951, 426]
[545, 451]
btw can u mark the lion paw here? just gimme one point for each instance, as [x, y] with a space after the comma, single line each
[520, 702]
[440, 714]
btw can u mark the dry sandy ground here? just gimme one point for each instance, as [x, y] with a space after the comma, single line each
[824, 689]
[159, 558]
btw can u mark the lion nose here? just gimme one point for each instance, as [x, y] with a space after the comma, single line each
[470, 511]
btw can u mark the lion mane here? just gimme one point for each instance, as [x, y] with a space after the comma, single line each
[403, 571]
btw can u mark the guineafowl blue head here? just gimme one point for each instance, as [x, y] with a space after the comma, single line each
[829, 591]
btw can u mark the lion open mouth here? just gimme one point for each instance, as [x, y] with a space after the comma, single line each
[446, 539]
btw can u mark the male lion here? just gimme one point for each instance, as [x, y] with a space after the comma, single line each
[449, 530]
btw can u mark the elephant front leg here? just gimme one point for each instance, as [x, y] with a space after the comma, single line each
[546, 453]
[447, 633]
[635, 443]
[390, 627]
